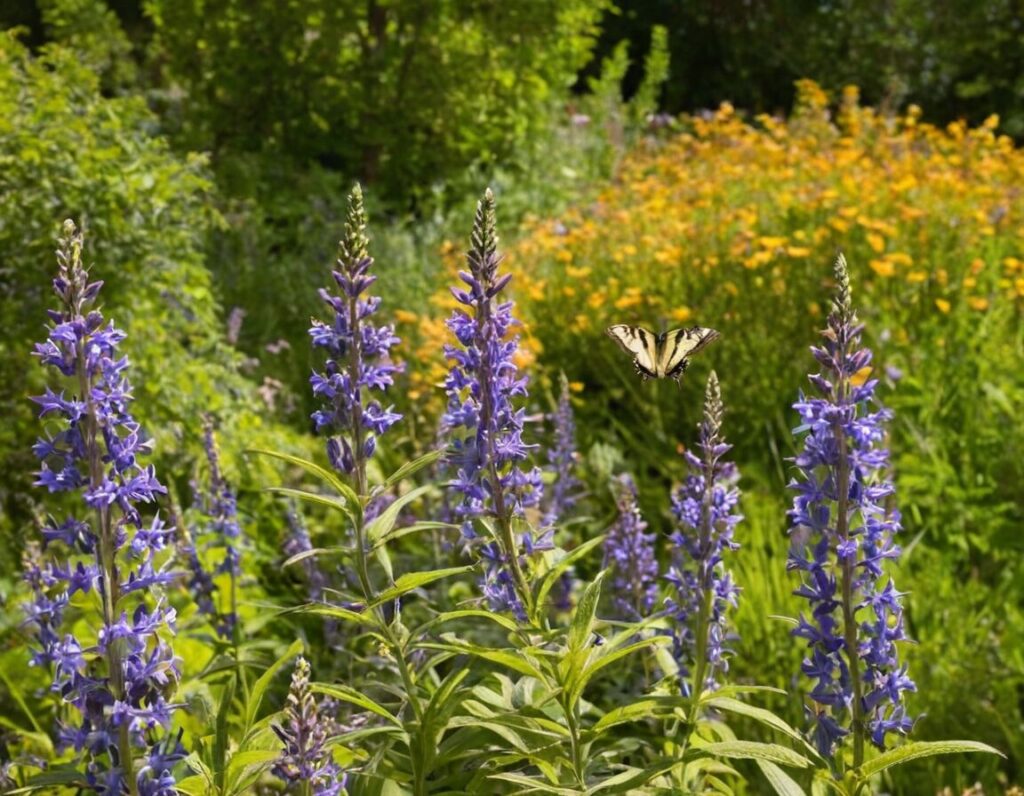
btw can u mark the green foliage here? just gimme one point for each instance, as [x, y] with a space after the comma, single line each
[402, 94]
[66, 150]
[956, 59]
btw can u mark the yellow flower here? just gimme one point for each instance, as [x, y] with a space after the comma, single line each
[916, 277]
[943, 305]
[576, 386]
[404, 316]
[861, 376]
[682, 314]
[876, 242]
[979, 303]
[798, 251]
[883, 268]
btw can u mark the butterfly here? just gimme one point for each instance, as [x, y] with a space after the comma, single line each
[659, 355]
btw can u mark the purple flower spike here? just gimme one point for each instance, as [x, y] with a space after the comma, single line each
[703, 589]
[116, 693]
[305, 758]
[562, 457]
[214, 546]
[483, 385]
[358, 356]
[842, 530]
[629, 552]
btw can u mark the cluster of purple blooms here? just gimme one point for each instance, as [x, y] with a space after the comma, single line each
[630, 553]
[564, 491]
[483, 385]
[842, 533]
[704, 508]
[358, 355]
[305, 758]
[218, 529]
[117, 711]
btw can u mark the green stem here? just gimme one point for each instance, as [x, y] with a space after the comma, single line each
[576, 747]
[848, 575]
[501, 510]
[397, 649]
[107, 554]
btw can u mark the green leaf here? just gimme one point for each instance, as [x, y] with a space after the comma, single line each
[730, 705]
[252, 757]
[323, 473]
[552, 575]
[220, 737]
[416, 527]
[607, 660]
[313, 497]
[414, 466]
[735, 690]
[633, 778]
[318, 551]
[467, 613]
[918, 749]
[55, 776]
[335, 612]
[414, 580]
[263, 683]
[193, 786]
[752, 750]
[386, 520]
[533, 785]
[783, 784]
[346, 694]
[510, 659]
[16, 694]
[583, 620]
[637, 711]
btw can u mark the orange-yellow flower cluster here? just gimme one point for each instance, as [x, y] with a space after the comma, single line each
[734, 221]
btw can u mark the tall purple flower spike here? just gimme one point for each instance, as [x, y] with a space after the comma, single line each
[115, 682]
[702, 588]
[562, 496]
[304, 757]
[359, 360]
[842, 532]
[630, 554]
[483, 386]
[218, 530]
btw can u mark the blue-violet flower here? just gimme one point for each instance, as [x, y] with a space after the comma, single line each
[359, 360]
[630, 554]
[702, 589]
[842, 532]
[483, 385]
[115, 683]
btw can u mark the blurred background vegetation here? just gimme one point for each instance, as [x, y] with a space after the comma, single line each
[658, 161]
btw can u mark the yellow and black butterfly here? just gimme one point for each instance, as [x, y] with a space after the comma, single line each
[659, 355]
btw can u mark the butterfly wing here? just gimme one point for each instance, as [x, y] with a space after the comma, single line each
[639, 342]
[677, 346]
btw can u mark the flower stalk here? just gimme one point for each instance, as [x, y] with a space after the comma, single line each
[843, 531]
[95, 450]
[483, 385]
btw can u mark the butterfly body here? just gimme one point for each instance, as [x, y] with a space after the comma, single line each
[656, 356]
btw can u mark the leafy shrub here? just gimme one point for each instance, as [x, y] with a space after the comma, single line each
[67, 150]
